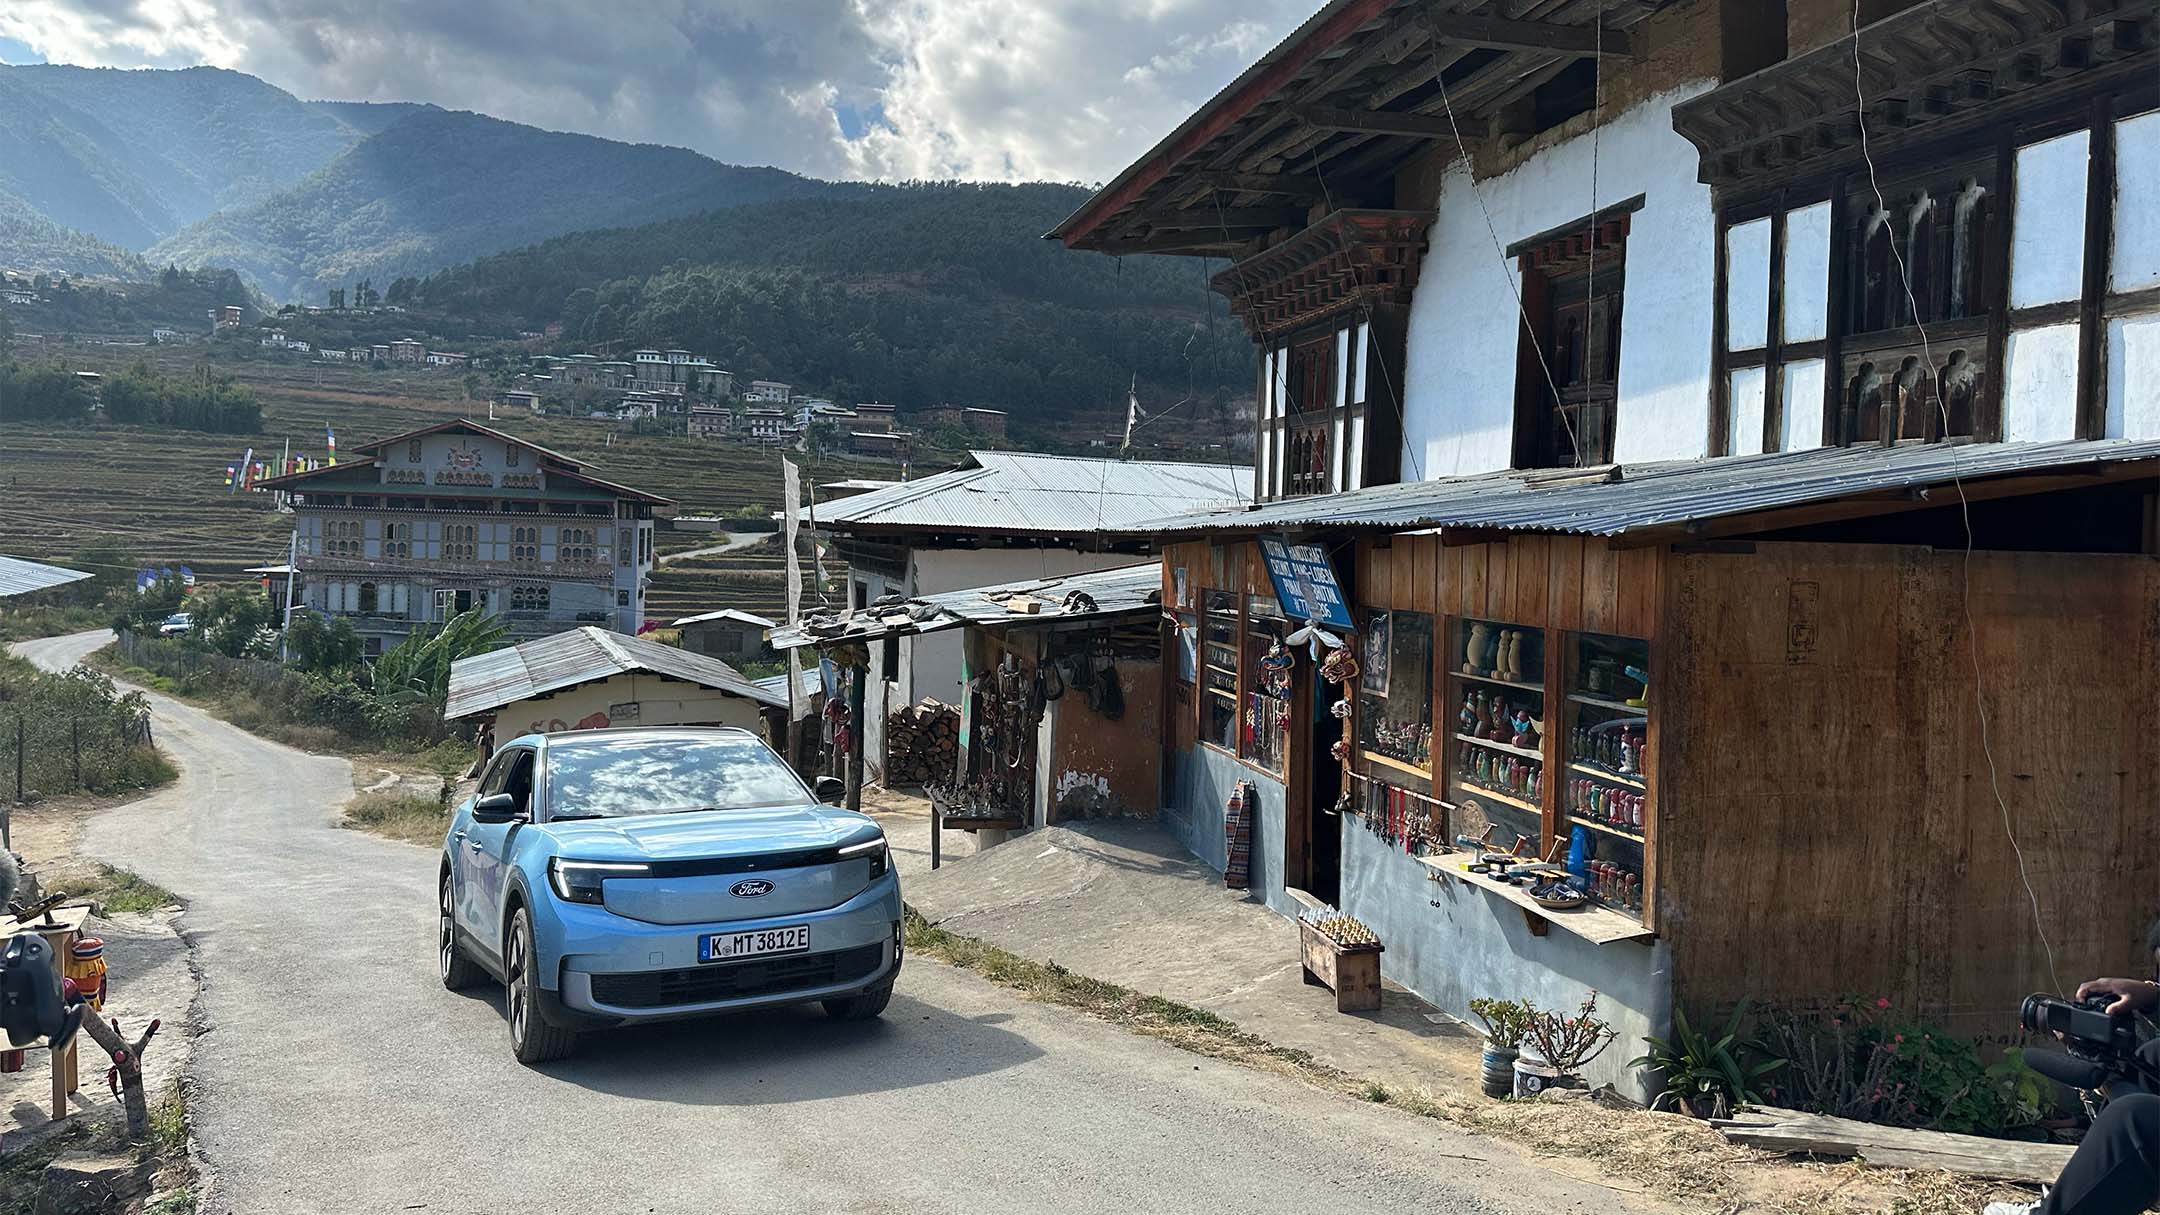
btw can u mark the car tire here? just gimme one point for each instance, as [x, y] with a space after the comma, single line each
[532, 1038]
[865, 1006]
[458, 971]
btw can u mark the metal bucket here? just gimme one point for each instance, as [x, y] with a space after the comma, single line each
[1498, 1077]
[1534, 1076]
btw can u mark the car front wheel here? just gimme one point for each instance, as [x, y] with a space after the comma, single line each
[458, 971]
[532, 1039]
[862, 1007]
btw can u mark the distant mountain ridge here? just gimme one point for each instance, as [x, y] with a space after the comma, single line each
[437, 187]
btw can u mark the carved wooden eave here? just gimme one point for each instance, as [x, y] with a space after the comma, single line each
[1933, 69]
[1348, 258]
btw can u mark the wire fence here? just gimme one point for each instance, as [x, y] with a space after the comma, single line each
[171, 658]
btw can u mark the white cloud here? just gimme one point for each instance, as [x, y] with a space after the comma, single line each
[986, 89]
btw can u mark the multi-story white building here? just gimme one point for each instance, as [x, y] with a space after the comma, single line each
[418, 527]
[769, 392]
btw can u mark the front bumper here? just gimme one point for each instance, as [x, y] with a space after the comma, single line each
[614, 970]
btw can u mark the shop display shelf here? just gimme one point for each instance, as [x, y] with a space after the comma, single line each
[1535, 689]
[1607, 775]
[1591, 922]
[1598, 824]
[1607, 702]
[1510, 748]
[1400, 765]
[1506, 799]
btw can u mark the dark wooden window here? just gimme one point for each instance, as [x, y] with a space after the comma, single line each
[1568, 382]
[1921, 256]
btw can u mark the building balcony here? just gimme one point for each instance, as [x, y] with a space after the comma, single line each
[458, 572]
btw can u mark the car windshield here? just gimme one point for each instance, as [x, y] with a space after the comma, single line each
[609, 777]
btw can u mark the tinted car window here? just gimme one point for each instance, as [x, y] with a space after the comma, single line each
[620, 776]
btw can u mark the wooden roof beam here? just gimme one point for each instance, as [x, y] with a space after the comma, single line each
[1380, 122]
[1218, 218]
[1288, 185]
[1504, 35]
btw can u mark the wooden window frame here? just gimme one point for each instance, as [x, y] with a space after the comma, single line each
[1546, 265]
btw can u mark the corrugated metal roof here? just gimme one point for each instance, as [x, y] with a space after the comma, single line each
[1005, 491]
[727, 614]
[1116, 591]
[20, 577]
[810, 683]
[1617, 499]
[580, 656]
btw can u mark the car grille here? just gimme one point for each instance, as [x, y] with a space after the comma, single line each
[737, 980]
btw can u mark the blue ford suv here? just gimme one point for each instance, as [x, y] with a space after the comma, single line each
[614, 876]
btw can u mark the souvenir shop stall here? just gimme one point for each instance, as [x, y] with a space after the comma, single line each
[1545, 765]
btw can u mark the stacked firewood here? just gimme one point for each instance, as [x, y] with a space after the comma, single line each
[922, 743]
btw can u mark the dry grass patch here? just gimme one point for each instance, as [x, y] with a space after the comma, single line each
[1666, 1155]
[412, 818]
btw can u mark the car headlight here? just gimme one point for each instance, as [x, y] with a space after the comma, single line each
[579, 881]
[876, 849]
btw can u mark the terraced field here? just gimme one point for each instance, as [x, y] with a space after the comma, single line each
[160, 494]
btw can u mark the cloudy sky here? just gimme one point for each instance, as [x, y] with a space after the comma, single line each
[990, 89]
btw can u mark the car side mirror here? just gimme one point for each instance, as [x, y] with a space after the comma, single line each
[496, 808]
[830, 790]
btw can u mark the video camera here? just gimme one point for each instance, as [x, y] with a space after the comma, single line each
[31, 1004]
[2101, 1050]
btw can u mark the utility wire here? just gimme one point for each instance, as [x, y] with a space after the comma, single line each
[1942, 405]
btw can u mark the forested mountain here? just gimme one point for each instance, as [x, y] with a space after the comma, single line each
[438, 187]
[915, 294]
[133, 156]
[33, 244]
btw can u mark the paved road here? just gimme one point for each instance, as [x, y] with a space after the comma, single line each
[336, 1076]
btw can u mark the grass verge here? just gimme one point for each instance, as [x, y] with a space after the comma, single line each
[1668, 1156]
[173, 1192]
[400, 816]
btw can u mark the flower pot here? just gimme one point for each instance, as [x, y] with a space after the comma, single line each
[1498, 1079]
[1534, 1076]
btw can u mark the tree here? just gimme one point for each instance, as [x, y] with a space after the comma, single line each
[472, 385]
[233, 620]
[314, 644]
[337, 299]
[364, 295]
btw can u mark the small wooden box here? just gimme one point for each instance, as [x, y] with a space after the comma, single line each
[1353, 972]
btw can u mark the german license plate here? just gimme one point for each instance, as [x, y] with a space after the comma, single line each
[734, 946]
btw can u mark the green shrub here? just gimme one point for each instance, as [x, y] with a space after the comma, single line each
[1861, 1059]
[1705, 1075]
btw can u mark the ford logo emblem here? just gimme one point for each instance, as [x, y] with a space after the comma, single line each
[750, 888]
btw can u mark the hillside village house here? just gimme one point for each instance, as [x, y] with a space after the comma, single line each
[769, 392]
[709, 419]
[998, 517]
[1628, 385]
[765, 425]
[420, 526]
[406, 350]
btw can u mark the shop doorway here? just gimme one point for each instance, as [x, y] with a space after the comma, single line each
[1323, 826]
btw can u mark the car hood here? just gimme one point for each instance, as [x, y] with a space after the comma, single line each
[705, 834]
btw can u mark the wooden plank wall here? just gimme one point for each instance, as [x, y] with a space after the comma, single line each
[1563, 582]
[1829, 821]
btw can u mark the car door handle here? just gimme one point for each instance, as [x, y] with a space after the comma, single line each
[458, 835]
[473, 844]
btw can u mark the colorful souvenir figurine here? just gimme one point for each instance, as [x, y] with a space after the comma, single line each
[1525, 729]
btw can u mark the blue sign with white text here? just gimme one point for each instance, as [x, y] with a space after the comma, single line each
[1305, 583]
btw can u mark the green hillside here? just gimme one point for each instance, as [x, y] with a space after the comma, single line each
[133, 156]
[33, 244]
[438, 187]
[916, 295]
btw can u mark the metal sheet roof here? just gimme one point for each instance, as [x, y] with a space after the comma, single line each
[1004, 491]
[20, 577]
[1617, 499]
[810, 683]
[1116, 591]
[583, 655]
[727, 614]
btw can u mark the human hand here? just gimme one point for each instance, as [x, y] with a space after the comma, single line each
[2131, 995]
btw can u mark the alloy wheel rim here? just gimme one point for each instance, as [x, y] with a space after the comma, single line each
[443, 944]
[517, 986]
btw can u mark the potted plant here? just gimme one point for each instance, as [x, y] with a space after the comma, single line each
[1504, 1021]
[1564, 1044]
[1705, 1076]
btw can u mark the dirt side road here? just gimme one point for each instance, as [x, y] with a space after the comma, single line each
[337, 1076]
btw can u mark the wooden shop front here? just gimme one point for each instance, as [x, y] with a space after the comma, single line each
[1794, 762]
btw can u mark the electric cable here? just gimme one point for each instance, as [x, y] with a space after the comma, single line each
[1942, 405]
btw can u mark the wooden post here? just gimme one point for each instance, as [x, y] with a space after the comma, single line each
[18, 760]
[75, 744]
[855, 736]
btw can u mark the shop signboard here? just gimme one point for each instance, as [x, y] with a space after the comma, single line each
[1305, 583]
